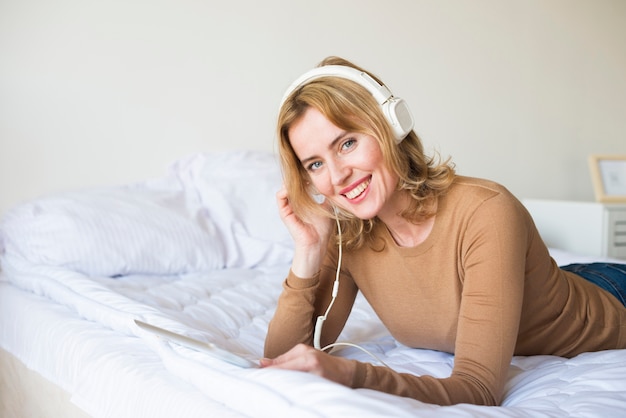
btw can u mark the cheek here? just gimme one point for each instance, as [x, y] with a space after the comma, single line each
[322, 185]
[371, 155]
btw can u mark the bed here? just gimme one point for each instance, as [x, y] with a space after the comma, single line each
[201, 251]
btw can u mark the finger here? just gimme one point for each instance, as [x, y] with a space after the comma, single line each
[277, 364]
[282, 197]
[297, 352]
[283, 204]
[282, 193]
[266, 362]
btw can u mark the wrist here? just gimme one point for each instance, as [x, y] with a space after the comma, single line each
[306, 262]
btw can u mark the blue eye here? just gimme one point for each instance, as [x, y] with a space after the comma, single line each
[314, 166]
[348, 143]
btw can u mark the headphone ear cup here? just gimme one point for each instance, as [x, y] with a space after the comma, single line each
[395, 109]
[399, 116]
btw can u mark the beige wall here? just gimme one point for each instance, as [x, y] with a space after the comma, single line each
[109, 92]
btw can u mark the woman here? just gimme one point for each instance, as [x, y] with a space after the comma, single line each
[448, 263]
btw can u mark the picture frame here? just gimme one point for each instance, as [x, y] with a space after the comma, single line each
[608, 174]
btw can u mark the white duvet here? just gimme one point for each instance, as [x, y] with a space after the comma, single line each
[202, 252]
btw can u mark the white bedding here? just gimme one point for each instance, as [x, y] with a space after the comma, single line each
[202, 252]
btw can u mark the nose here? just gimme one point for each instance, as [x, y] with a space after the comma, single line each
[339, 172]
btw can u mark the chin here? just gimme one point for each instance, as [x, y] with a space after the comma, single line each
[364, 215]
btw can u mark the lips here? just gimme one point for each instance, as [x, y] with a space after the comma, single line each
[358, 189]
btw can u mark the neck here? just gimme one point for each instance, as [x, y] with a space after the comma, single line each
[408, 234]
[404, 232]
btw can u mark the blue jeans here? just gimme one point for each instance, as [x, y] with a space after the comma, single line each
[608, 276]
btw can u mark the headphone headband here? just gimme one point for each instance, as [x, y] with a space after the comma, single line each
[395, 109]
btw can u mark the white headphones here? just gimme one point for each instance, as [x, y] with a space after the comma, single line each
[395, 109]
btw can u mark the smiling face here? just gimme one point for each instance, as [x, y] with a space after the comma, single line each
[346, 167]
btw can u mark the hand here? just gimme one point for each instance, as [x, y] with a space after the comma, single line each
[310, 236]
[307, 359]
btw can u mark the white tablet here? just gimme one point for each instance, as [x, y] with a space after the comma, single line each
[204, 347]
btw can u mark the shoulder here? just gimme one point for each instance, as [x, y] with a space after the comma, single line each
[486, 214]
[478, 187]
[474, 191]
[471, 196]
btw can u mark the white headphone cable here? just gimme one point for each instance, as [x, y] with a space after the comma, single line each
[378, 359]
[320, 319]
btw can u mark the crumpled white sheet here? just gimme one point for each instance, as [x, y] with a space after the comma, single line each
[78, 331]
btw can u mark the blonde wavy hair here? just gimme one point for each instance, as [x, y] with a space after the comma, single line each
[351, 107]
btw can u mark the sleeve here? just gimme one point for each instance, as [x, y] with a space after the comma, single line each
[302, 301]
[492, 269]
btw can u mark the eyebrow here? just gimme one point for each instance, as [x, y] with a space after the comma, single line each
[330, 146]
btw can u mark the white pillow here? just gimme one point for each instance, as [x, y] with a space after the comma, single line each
[213, 210]
[111, 232]
[238, 190]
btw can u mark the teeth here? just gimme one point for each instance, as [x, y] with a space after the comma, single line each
[357, 190]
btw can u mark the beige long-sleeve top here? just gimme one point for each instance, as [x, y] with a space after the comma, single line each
[482, 286]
